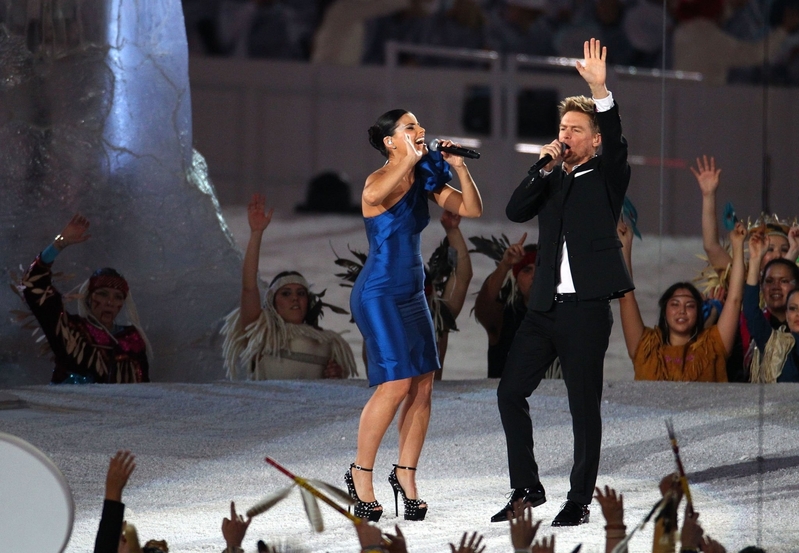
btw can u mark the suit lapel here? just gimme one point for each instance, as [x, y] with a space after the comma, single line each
[565, 187]
[568, 180]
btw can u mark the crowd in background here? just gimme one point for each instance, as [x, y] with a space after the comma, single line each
[726, 40]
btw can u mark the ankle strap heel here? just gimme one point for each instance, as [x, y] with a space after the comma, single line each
[371, 510]
[413, 507]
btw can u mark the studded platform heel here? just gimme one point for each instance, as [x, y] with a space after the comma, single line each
[372, 510]
[413, 510]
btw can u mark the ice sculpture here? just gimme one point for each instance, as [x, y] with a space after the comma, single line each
[95, 117]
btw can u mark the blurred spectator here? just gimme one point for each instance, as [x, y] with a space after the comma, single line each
[340, 39]
[275, 29]
[461, 24]
[575, 22]
[402, 26]
[701, 45]
[644, 29]
[786, 13]
[329, 192]
[610, 16]
[746, 19]
[201, 27]
[520, 27]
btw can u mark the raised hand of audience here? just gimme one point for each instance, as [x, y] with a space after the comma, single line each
[76, 231]
[691, 534]
[709, 545]
[522, 528]
[612, 505]
[613, 510]
[450, 220]
[234, 529]
[706, 175]
[758, 245]
[120, 468]
[473, 545]
[369, 535]
[546, 545]
[738, 235]
[333, 370]
[395, 543]
[793, 243]
[514, 253]
[718, 293]
[257, 216]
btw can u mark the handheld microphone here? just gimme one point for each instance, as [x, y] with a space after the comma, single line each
[435, 146]
[541, 163]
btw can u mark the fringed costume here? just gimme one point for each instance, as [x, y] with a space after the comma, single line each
[701, 360]
[269, 348]
[775, 357]
[84, 350]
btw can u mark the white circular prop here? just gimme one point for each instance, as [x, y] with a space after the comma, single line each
[36, 507]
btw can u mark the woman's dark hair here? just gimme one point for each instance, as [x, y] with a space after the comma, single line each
[791, 293]
[281, 275]
[107, 271]
[664, 299]
[385, 126]
[781, 261]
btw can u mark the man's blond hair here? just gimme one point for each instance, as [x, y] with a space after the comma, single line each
[582, 104]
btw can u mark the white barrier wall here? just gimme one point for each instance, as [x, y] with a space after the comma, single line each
[270, 126]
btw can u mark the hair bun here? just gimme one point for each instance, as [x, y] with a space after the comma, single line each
[376, 138]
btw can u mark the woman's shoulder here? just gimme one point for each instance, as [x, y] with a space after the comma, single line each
[375, 175]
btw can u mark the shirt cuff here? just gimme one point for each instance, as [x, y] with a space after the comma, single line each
[604, 104]
[49, 254]
[544, 173]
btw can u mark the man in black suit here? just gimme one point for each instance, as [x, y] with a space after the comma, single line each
[577, 197]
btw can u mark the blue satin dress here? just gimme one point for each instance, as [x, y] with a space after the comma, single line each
[388, 301]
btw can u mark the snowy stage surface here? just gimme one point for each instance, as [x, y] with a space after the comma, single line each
[200, 445]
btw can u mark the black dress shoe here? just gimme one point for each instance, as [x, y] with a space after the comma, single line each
[572, 514]
[531, 496]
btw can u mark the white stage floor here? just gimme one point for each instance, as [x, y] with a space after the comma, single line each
[200, 445]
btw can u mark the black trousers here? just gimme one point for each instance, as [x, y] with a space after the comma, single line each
[577, 332]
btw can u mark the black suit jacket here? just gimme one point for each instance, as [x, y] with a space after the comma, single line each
[584, 208]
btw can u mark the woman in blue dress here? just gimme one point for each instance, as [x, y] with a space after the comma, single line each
[389, 305]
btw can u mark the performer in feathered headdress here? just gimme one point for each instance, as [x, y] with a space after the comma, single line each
[280, 339]
[501, 303]
[92, 346]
